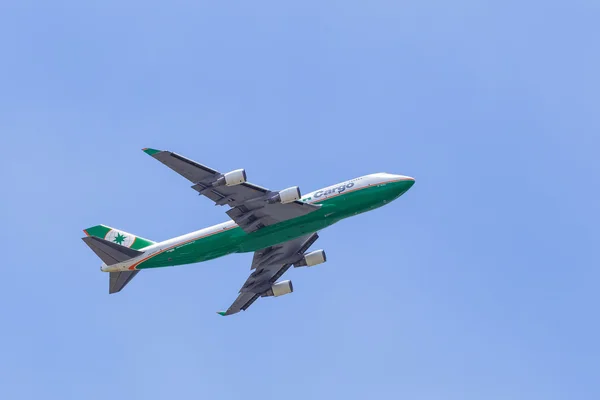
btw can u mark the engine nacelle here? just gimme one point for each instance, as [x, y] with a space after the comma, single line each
[280, 288]
[235, 177]
[311, 259]
[231, 178]
[285, 196]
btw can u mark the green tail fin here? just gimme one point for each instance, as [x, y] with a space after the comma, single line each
[117, 236]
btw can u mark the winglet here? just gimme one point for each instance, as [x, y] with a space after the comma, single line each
[221, 313]
[150, 151]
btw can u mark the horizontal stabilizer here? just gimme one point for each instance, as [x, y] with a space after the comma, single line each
[118, 280]
[109, 252]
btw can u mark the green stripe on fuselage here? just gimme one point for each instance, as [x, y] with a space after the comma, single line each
[235, 240]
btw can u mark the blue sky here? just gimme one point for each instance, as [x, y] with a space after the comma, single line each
[480, 282]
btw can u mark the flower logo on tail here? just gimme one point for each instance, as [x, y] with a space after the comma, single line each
[120, 238]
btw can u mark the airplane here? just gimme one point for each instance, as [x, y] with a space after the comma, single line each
[277, 226]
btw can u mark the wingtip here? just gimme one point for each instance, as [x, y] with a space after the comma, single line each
[222, 313]
[150, 151]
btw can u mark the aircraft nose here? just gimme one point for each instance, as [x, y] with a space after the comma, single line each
[399, 183]
[407, 179]
[404, 183]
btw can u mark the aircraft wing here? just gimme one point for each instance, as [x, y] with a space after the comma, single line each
[252, 207]
[268, 265]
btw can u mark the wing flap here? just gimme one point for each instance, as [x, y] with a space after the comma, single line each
[252, 219]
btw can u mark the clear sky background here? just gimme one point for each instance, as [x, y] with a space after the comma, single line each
[480, 283]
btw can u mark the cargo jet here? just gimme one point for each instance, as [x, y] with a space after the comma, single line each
[279, 227]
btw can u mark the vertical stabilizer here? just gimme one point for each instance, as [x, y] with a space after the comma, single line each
[113, 246]
[119, 237]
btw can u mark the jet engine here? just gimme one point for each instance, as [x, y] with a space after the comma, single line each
[280, 288]
[311, 259]
[285, 196]
[231, 178]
